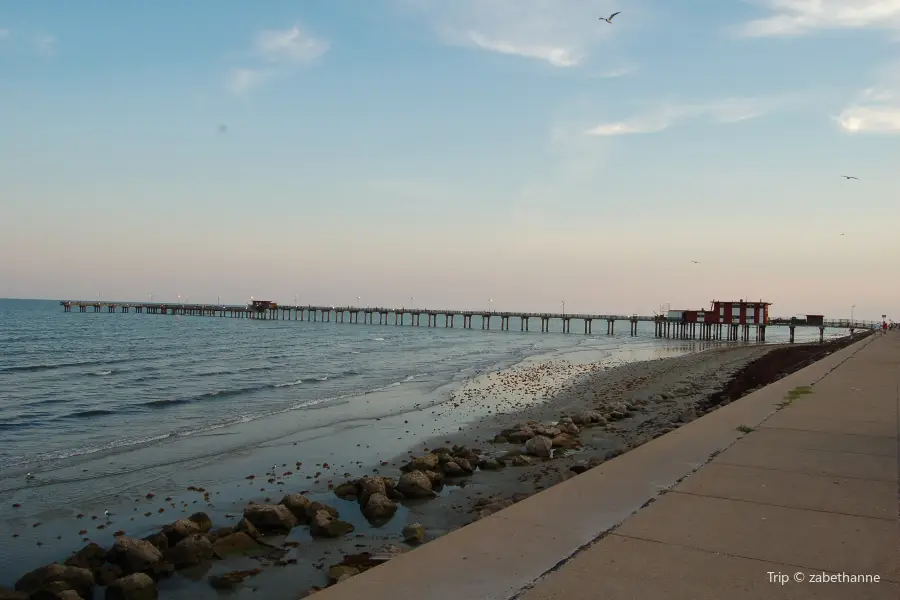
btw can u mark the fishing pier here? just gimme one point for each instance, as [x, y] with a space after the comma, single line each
[683, 325]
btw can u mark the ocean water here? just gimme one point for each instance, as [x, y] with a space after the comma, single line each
[72, 385]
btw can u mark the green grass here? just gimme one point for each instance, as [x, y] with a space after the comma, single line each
[797, 392]
[745, 429]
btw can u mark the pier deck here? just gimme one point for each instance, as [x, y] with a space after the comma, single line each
[663, 327]
[811, 489]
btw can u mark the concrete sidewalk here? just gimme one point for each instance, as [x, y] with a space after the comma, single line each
[814, 487]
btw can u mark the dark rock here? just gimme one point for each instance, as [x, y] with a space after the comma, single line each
[323, 524]
[451, 469]
[491, 465]
[379, 507]
[415, 484]
[338, 573]
[134, 556]
[12, 595]
[159, 539]
[106, 574]
[414, 534]
[539, 446]
[270, 518]
[90, 557]
[238, 543]
[203, 520]
[57, 577]
[297, 504]
[137, 586]
[347, 491]
[181, 529]
[189, 552]
[315, 507]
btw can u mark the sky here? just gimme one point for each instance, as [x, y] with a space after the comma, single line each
[505, 153]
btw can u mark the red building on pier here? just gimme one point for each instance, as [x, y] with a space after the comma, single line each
[740, 312]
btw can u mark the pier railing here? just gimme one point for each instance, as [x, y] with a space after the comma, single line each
[664, 327]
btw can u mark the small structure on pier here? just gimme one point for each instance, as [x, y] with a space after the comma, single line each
[263, 305]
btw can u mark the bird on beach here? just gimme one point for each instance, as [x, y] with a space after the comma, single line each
[850, 177]
[29, 476]
[107, 514]
[610, 17]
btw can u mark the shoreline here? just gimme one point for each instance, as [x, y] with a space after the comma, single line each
[453, 505]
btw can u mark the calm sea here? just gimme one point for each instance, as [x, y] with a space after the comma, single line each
[73, 385]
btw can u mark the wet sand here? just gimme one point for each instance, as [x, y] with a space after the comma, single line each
[661, 390]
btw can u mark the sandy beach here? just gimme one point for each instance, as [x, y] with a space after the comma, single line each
[502, 436]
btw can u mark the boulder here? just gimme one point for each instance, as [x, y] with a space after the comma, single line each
[490, 464]
[323, 524]
[522, 461]
[134, 556]
[547, 431]
[429, 462]
[270, 518]
[465, 464]
[57, 577]
[521, 435]
[106, 574]
[379, 507]
[6, 594]
[415, 484]
[90, 557]
[539, 446]
[347, 491]
[565, 441]
[158, 539]
[315, 507]
[369, 486]
[181, 529]
[238, 543]
[414, 534]
[245, 526]
[337, 572]
[137, 586]
[297, 504]
[436, 478]
[203, 520]
[218, 534]
[451, 469]
[189, 552]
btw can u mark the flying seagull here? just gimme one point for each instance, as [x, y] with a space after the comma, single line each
[696, 262]
[610, 17]
[850, 177]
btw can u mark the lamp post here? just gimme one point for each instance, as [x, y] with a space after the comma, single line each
[851, 314]
[357, 302]
[490, 305]
[564, 306]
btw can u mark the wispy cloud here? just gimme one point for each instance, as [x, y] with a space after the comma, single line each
[292, 45]
[45, 44]
[242, 81]
[731, 110]
[876, 109]
[540, 30]
[799, 17]
[281, 51]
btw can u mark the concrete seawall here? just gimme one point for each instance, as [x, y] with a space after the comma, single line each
[814, 487]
